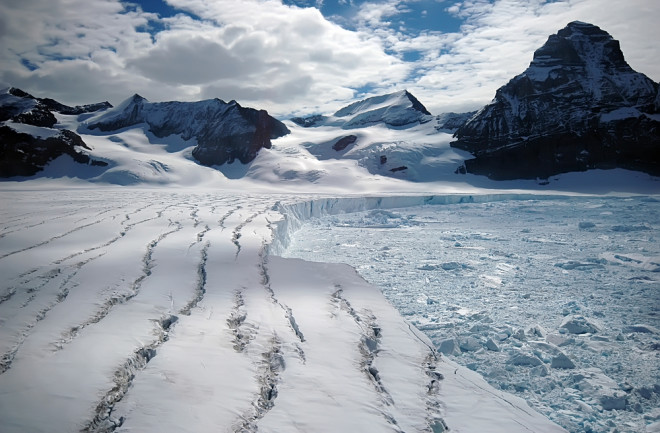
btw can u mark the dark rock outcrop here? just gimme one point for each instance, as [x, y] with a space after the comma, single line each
[225, 132]
[22, 107]
[452, 121]
[25, 155]
[344, 142]
[578, 106]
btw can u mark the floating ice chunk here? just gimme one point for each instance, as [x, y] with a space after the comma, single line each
[640, 328]
[582, 266]
[580, 325]
[469, 344]
[562, 361]
[449, 347]
[617, 400]
[491, 345]
[559, 340]
[537, 331]
[524, 358]
[631, 228]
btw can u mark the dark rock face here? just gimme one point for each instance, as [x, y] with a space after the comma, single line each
[578, 106]
[25, 155]
[25, 108]
[344, 142]
[452, 121]
[22, 154]
[315, 120]
[225, 132]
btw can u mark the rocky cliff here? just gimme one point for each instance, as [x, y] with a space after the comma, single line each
[578, 106]
[224, 131]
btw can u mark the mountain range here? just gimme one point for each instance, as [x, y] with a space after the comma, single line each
[578, 106]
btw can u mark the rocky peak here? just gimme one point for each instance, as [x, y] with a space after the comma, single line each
[224, 131]
[399, 109]
[578, 91]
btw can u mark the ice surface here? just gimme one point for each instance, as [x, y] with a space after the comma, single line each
[556, 301]
[141, 309]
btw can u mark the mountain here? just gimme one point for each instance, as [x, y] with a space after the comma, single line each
[452, 121]
[391, 135]
[29, 139]
[578, 106]
[224, 131]
[399, 109]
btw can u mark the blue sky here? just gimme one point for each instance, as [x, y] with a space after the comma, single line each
[296, 57]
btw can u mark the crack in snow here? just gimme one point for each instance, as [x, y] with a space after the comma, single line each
[103, 420]
[105, 309]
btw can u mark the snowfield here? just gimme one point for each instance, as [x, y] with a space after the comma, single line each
[128, 309]
[555, 299]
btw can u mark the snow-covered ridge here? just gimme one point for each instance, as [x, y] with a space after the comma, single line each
[399, 109]
[224, 131]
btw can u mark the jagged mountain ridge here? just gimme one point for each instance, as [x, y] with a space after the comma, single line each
[578, 106]
[399, 109]
[29, 139]
[224, 131]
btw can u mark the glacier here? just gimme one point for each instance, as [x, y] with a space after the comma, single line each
[132, 308]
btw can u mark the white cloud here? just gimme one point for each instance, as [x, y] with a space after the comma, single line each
[292, 60]
[497, 41]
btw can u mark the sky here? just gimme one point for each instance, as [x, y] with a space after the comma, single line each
[297, 57]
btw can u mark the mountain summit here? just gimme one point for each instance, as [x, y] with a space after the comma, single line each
[578, 106]
[399, 109]
[224, 131]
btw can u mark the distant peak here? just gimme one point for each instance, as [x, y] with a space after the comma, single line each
[137, 98]
[415, 103]
[582, 28]
[19, 93]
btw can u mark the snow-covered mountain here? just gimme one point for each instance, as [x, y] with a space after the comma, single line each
[397, 110]
[29, 138]
[391, 135]
[578, 106]
[224, 131]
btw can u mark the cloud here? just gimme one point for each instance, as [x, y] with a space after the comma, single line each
[292, 60]
[461, 71]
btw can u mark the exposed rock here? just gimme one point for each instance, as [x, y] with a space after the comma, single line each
[309, 120]
[21, 107]
[578, 106]
[225, 132]
[25, 155]
[452, 121]
[344, 142]
[24, 151]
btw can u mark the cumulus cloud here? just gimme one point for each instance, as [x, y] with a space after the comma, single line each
[293, 60]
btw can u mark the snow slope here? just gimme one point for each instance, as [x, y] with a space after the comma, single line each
[131, 309]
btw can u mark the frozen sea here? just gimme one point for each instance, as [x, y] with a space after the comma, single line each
[555, 300]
